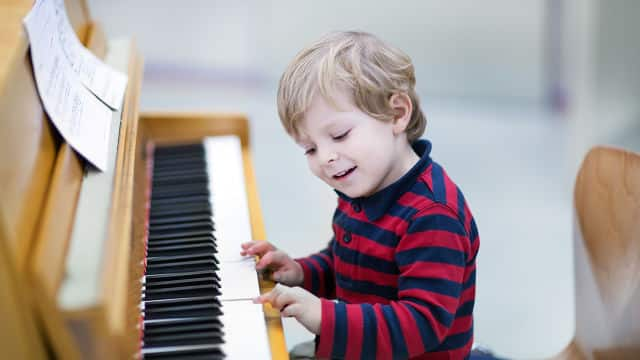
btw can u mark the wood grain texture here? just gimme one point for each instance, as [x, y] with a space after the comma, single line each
[607, 256]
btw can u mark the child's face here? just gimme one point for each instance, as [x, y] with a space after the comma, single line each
[350, 150]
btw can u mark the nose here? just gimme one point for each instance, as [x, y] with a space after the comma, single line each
[328, 155]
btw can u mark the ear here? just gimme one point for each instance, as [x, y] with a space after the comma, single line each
[402, 109]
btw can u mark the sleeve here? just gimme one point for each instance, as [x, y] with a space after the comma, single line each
[319, 277]
[431, 258]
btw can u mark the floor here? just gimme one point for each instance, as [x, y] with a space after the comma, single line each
[510, 160]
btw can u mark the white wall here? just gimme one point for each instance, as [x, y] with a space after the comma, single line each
[603, 78]
[462, 48]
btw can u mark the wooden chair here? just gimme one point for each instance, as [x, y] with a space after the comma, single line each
[607, 257]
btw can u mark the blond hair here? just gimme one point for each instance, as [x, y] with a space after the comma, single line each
[369, 68]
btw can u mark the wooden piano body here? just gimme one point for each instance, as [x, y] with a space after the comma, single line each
[40, 181]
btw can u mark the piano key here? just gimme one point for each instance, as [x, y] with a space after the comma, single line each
[209, 238]
[187, 249]
[236, 315]
[189, 224]
[181, 320]
[193, 352]
[181, 234]
[239, 280]
[184, 292]
[184, 209]
[180, 275]
[195, 325]
[160, 303]
[180, 219]
[180, 200]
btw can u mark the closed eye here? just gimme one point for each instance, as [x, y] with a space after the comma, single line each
[309, 151]
[342, 136]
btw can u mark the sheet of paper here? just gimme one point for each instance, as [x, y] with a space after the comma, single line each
[82, 119]
[102, 80]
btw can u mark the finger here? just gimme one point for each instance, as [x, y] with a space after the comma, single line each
[283, 300]
[259, 248]
[291, 310]
[268, 296]
[271, 258]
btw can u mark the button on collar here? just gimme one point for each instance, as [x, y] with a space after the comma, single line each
[346, 237]
[356, 206]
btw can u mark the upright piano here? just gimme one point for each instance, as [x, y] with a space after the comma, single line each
[136, 261]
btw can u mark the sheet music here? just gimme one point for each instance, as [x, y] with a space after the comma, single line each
[82, 119]
[103, 81]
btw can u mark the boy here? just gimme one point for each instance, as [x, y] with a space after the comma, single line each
[401, 263]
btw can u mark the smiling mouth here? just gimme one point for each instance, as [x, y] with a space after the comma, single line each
[344, 174]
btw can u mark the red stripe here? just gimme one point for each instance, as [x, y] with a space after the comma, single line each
[360, 273]
[468, 294]
[445, 301]
[441, 238]
[425, 269]
[358, 298]
[327, 324]
[415, 201]
[383, 339]
[469, 270]
[438, 328]
[410, 329]
[354, 331]
[461, 324]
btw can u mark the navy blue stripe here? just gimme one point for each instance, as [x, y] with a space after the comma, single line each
[429, 338]
[465, 309]
[327, 274]
[340, 331]
[370, 332]
[368, 230]
[437, 177]
[441, 314]
[402, 212]
[398, 343]
[461, 202]
[315, 281]
[366, 287]
[422, 189]
[470, 282]
[439, 286]
[359, 259]
[473, 233]
[436, 222]
[436, 254]
[457, 341]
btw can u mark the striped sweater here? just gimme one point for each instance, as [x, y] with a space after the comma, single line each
[401, 265]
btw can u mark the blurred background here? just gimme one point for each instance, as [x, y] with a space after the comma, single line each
[515, 93]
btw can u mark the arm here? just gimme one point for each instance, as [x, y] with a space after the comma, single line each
[431, 258]
[319, 278]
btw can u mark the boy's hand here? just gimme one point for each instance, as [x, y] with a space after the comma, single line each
[285, 269]
[296, 302]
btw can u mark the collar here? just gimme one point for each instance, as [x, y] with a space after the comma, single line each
[379, 203]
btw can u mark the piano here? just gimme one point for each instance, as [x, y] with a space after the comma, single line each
[141, 260]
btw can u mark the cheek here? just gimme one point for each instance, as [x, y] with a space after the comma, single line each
[314, 167]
